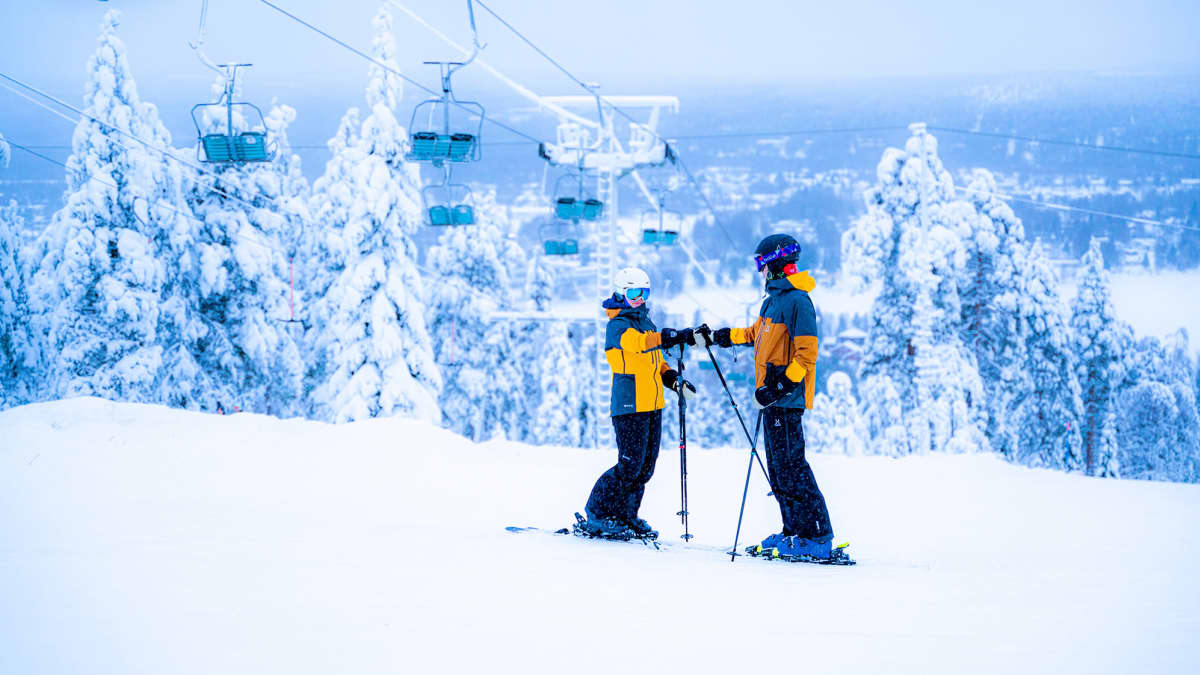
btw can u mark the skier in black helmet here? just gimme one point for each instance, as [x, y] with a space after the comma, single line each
[634, 347]
[785, 355]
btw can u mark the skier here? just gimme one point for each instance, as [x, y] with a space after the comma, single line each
[785, 355]
[634, 347]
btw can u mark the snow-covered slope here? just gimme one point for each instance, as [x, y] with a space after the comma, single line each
[138, 539]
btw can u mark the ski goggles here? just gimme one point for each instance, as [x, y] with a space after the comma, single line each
[637, 294]
[779, 253]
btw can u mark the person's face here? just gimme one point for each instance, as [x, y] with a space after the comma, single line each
[636, 297]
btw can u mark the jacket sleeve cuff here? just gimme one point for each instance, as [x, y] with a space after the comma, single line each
[795, 372]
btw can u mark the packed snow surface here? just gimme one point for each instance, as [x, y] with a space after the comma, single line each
[140, 539]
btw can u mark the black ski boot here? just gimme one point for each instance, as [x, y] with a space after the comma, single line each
[642, 529]
[602, 528]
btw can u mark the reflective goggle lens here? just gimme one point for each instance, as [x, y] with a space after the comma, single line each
[764, 260]
[637, 293]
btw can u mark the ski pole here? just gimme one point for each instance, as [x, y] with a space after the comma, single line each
[683, 510]
[707, 334]
[746, 488]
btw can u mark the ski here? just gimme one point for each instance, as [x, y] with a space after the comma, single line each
[837, 557]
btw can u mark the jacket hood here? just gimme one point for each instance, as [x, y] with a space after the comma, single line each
[614, 307]
[800, 281]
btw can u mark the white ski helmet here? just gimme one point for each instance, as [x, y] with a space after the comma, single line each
[630, 277]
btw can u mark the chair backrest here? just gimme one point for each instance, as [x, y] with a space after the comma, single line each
[553, 247]
[439, 215]
[565, 208]
[217, 148]
[570, 247]
[461, 146]
[593, 209]
[464, 215]
[424, 145]
[250, 146]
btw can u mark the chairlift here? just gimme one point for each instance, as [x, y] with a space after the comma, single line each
[448, 204]
[232, 147]
[574, 205]
[434, 137]
[559, 239]
[660, 226]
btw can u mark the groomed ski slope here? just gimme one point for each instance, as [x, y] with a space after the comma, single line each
[139, 539]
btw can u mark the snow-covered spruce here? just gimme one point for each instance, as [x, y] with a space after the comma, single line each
[370, 353]
[99, 288]
[15, 339]
[909, 243]
[478, 357]
[229, 281]
[1096, 342]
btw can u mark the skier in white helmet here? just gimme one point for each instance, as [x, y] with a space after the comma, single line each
[634, 347]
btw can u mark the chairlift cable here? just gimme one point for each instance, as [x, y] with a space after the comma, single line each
[1077, 209]
[1078, 144]
[195, 167]
[386, 67]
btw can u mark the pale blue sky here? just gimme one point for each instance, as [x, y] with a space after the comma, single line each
[624, 44]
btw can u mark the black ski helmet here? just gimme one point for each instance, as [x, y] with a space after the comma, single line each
[776, 251]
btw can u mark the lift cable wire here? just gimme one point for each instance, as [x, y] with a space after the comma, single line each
[158, 204]
[1078, 144]
[430, 274]
[200, 170]
[592, 91]
[391, 70]
[1076, 209]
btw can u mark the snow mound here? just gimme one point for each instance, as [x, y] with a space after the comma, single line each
[140, 539]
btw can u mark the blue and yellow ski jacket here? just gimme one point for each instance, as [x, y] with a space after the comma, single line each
[785, 336]
[633, 347]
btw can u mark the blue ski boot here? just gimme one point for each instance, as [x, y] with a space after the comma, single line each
[768, 545]
[820, 548]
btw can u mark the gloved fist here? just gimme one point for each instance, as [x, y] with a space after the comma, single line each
[722, 338]
[671, 380]
[705, 332]
[775, 387]
[671, 337]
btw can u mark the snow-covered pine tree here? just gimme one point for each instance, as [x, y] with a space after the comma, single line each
[1096, 342]
[559, 419]
[557, 383]
[232, 275]
[1047, 408]
[837, 425]
[1157, 426]
[909, 243]
[482, 370]
[991, 289]
[370, 347]
[14, 335]
[97, 289]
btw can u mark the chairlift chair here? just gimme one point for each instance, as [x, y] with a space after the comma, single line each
[434, 133]
[232, 147]
[574, 205]
[660, 226]
[448, 204]
[559, 239]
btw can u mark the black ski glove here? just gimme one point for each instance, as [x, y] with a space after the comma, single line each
[775, 387]
[671, 380]
[722, 338]
[706, 333]
[671, 337]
